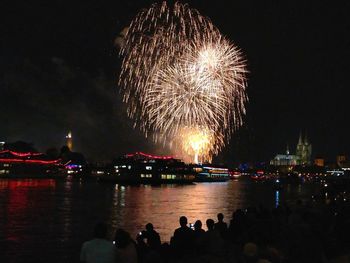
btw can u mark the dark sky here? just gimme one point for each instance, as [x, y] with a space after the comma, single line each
[59, 70]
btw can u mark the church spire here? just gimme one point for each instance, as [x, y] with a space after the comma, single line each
[306, 141]
[287, 151]
[300, 142]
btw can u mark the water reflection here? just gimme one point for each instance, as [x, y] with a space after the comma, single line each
[277, 198]
[20, 206]
[57, 216]
[66, 207]
[118, 202]
[133, 206]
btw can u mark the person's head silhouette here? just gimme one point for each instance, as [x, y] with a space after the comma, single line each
[122, 238]
[220, 217]
[198, 225]
[183, 221]
[149, 227]
[100, 230]
[210, 224]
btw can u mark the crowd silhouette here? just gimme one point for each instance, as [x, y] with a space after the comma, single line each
[302, 232]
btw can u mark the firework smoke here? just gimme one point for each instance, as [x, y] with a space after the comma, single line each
[182, 80]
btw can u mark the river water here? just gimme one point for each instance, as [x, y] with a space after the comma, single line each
[47, 220]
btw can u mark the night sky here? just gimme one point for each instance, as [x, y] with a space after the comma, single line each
[59, 69]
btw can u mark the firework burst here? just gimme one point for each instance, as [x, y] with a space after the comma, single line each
[182, 80]
[196, 143]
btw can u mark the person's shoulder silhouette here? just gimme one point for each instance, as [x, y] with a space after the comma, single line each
[152, 236]
[220, 226]
[126, 247]
[99, 249]
[183, 236]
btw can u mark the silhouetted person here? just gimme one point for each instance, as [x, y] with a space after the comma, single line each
[153, 238]
[141, 246]
[99, 249]
[237, 225]
[198, 231]
[212, 240]
[198, 236]
[221, 226]
[183, 238]
[126, 249]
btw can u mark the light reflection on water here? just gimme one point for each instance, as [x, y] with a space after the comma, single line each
[57, 216]
[277, 198]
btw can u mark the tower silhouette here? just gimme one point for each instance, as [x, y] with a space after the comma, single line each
[304, 150]
[69, 140]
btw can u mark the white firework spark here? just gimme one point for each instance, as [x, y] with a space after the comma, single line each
[180, 77]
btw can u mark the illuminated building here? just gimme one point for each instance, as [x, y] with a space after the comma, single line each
[286, 159]
[301, 157]
[74, 162]
[69, 140]
[319, 162]
[2, 146]
[145, 168]
[341, 160]
[18, 163]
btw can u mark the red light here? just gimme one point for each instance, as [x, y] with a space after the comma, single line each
[21, 154]
[150, 156]
[29, 161]
[20, 158]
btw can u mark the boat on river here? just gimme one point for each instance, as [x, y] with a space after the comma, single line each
[211, 173]
[143, 168]
[28, 165]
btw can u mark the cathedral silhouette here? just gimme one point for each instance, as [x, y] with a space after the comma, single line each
[302, 155]
[304, 149]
